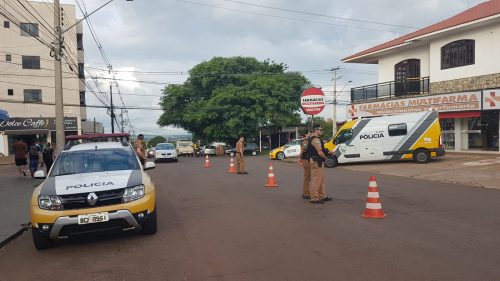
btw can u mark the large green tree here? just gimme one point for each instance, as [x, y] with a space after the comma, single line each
[225, 97]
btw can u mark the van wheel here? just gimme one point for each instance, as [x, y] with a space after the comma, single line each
[280, 155]
[40, 240]
[331, 162]
[421, 156]
[254, 153]
[150, 226]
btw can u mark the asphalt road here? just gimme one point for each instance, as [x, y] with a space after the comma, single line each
[218, 226]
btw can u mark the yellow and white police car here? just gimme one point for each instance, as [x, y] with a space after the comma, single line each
[93, 187]
[414, 136]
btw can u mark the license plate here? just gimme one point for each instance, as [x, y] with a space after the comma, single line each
[93, 218]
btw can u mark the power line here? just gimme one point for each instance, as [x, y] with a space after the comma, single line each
[319, 15]
[285, 18]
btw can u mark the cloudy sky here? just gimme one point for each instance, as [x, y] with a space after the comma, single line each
[175, 35]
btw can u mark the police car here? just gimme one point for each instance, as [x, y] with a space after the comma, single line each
[291, 149]
[93, 187]
[414, 136]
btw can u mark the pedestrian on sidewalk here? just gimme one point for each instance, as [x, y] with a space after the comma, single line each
[20, 149]
[306, 165]
[34, 154]
[240, 149]
[315, 149]
[48, 156]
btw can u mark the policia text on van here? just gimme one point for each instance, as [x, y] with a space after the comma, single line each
[414, 136]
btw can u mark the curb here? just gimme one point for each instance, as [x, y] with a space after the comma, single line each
[24, 228]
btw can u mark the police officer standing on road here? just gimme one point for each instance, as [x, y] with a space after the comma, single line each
[140, 148]
[240, 148]
[317, 156]
[306, 165]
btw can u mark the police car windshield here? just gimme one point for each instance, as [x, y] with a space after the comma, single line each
[91, 161]
[165, 146]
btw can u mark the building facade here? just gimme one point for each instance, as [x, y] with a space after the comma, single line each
[451, 66]
[27, 72]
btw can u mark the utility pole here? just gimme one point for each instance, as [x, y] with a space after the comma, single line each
[334, 114]
[58, 91]
[112, 109]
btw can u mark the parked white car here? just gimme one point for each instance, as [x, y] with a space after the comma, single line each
[165, 152]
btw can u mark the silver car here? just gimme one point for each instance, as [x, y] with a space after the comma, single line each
[210, 150]
[165, 152]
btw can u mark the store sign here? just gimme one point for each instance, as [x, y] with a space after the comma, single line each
[491, 99]
[312, 101]
[441, 103]
[13, 124]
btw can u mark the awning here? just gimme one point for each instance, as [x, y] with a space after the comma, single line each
[461, 114]
[4, 115]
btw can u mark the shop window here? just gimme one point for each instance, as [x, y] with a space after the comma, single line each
[29, 29]
[397, 130]
[31, 62]
[458, 53]
[10, 92]
[33, 96]
[448, 132]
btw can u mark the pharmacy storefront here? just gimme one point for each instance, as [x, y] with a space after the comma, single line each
[32, 129]
[469, 120]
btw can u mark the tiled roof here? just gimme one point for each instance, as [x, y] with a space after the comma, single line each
[478, 12]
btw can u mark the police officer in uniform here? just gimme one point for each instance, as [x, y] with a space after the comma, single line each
[240, 148]
[306, 165]
[140, 149]
[315, 149]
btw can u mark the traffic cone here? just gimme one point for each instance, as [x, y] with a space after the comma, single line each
[373, 205]
[232, 168]
[271, 181]
[207, 162]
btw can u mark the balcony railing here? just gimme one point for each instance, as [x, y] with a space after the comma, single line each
[410, 86]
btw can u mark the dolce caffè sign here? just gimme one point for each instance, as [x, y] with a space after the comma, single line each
[16, 124]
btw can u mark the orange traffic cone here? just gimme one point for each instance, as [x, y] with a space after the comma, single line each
[373, 204]
[232, 168]
[271, 181]
[207, 162]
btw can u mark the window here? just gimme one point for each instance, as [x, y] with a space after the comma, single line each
[31, 62]
[79, 41]
[29, 29]
[33, 96]
[8, 57]
[82, 98]
[343, 136]
[10, 92]
[6, 24]
[81, 70]
[458, 53]
[397, 130]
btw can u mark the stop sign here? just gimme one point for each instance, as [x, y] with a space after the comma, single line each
[312, 101]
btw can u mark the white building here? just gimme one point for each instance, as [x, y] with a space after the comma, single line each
[27, 72]
[452, 67]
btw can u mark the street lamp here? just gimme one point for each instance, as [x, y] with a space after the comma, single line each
[334, 114]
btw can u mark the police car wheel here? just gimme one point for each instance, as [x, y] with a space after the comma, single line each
[331, 162]
[41, 240]
[280, 155]
[421, 156]
[150, 226]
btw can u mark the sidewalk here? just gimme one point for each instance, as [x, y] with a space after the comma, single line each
[480, 170]
[15, 196]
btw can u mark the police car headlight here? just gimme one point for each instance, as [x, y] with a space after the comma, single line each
[47, 202]
[133, 193]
